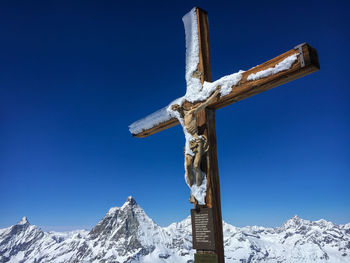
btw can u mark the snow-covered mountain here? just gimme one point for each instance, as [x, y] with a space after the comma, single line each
[127, 234]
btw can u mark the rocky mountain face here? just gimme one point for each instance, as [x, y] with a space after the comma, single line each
[126, 234]
[297, 240]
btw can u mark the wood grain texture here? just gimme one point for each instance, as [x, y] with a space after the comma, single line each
[206, 126]
[213, 198]
[246, 88]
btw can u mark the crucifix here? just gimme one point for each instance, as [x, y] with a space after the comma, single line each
[196, 113]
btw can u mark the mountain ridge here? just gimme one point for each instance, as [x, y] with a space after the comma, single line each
[126, 234]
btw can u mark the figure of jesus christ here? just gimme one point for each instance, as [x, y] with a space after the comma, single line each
[198, 144]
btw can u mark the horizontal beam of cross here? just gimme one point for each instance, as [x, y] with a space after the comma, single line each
[306, 63]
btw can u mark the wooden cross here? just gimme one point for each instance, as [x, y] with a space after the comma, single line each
[306, 63]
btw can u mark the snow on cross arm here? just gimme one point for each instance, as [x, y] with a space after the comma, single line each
[283, 65]
[149, 121]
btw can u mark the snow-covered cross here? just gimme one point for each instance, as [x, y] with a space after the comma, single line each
[295, 63]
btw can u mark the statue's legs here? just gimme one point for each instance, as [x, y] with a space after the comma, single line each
[197, 162]
[189, 170]
[189, 176]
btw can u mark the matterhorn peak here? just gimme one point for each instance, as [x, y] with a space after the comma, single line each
[130, 202]
[23, 221]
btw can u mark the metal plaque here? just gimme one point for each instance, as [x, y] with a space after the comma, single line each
[203, 229]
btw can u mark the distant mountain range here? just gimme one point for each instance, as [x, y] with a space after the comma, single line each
[126, 234]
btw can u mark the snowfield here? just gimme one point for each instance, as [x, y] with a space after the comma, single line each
[126, 234]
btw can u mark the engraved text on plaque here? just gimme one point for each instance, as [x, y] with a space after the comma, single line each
[202, 229]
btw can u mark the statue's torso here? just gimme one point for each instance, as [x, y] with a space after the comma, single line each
[190, 123]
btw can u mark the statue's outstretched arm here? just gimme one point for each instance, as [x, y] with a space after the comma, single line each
[208, 101]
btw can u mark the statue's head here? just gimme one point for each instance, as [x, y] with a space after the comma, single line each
[175, 107]
[178, 108]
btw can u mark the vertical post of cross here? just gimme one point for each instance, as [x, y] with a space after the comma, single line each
[206, 126]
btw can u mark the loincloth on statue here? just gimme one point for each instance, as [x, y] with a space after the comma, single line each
[201, 142]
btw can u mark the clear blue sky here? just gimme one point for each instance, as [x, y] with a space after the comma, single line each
[75, 74]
